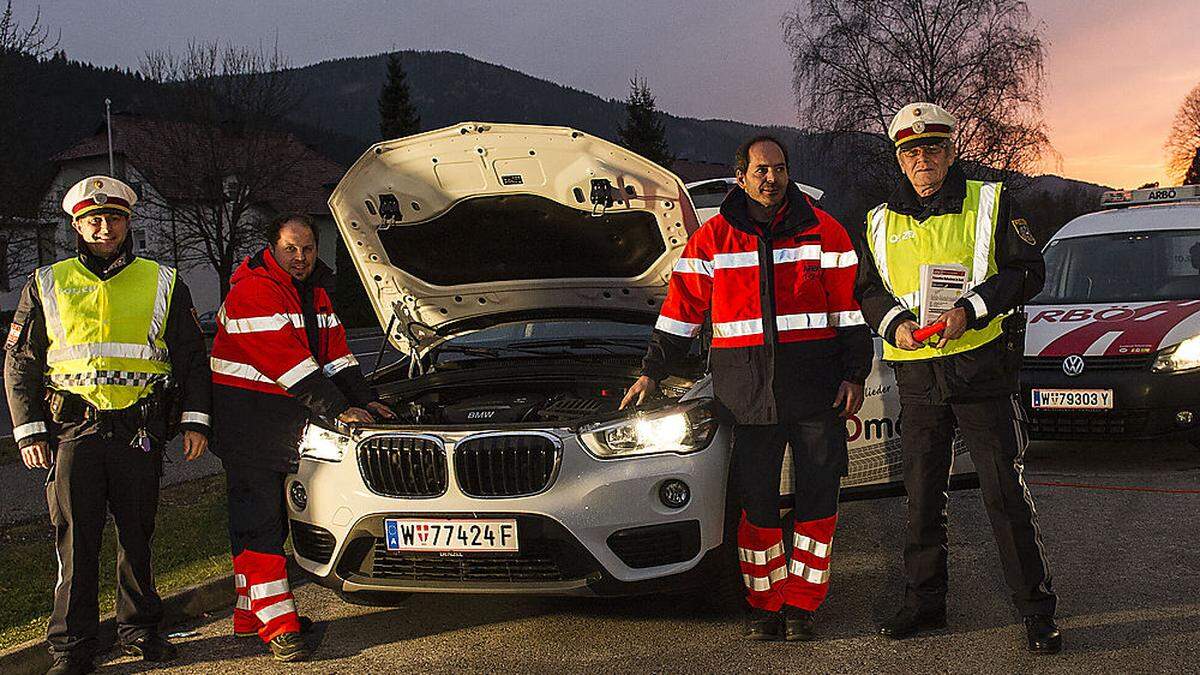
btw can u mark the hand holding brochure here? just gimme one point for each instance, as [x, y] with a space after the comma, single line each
[941, 287]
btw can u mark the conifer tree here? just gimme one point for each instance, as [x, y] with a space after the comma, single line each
[397, 115]
[643, 131]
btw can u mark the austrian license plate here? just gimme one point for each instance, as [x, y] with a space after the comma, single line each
[450, 536]
[1072, 399]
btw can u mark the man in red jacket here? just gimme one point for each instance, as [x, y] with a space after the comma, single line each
[279, 356]
[790, 353]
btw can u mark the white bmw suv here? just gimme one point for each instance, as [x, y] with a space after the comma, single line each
[519, 270]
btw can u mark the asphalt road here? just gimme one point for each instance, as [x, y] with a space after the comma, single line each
[1126, 564]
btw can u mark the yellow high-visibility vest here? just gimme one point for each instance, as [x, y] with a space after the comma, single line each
[106, 336]
[900, 244]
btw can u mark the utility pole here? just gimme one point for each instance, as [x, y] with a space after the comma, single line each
[112, 171]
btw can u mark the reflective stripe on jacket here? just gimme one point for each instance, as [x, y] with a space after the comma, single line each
[106, 336]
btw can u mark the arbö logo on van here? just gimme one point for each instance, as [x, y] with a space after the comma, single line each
[872, 428]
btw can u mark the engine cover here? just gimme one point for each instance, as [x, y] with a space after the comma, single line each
[487, 409]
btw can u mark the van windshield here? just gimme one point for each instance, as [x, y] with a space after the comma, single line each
[1123, 267]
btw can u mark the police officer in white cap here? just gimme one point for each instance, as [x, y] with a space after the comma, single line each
[105, 364]
[965, 376]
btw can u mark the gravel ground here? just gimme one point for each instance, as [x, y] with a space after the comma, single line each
[1126, 566]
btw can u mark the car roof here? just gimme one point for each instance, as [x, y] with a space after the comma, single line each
[1152, 217]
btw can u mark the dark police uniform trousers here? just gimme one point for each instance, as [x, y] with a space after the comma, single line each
[994, 433]
[97, 471]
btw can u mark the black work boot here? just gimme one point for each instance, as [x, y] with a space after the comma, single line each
[798, 624]
[763, 625]
[289, 647]
[912, 620]
[150, 647]
[65, 664]
[1042, 635]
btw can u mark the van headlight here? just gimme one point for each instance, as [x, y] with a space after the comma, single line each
[678, 428]
[1183, 356]
[323, 445]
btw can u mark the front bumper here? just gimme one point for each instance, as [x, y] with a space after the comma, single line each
[598, 529]
[1146, 404]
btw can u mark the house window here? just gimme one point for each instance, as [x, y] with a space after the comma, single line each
[139, 241]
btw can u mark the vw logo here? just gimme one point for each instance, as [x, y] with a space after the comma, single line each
[1073, 365]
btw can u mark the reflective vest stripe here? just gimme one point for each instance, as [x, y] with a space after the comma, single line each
[338, 365]
[239, 581]
[268, 588]
[25, 430]
[49, 297]
[120, 350]
[243, 603]
[879, 237]
[809, 573]
[985, 229]
[681, 328]
[162, 300]
[749, 555]
[114, 378]
[195, 418]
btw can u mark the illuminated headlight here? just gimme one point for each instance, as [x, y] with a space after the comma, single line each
[323, 445]
[1183, 356]
[680, 428]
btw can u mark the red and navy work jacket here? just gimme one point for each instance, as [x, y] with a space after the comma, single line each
[280, 354]
[786, 329]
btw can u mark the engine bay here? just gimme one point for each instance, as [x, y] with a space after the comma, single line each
[515, 403]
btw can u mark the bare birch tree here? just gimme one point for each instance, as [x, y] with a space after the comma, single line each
[220, 153]
[857, 62]
[1183, 142]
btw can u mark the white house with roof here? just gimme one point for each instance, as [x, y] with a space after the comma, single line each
[28, 243]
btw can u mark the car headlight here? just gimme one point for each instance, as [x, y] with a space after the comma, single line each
[1183, 356]
[678, 428]
[323, 445]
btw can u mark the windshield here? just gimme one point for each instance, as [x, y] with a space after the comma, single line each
[568, 336]
[1123, 267]
[709, 195]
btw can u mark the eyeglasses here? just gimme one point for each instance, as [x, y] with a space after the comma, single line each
[932, 151]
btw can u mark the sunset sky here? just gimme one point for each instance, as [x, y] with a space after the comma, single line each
[1116, 71]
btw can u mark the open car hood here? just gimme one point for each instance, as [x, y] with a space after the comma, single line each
[477, 224]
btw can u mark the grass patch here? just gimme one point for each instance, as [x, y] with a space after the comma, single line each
[191, 544]
[8, 451]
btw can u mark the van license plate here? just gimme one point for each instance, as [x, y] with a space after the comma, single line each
[451, 536]
[1072, 399]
